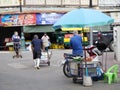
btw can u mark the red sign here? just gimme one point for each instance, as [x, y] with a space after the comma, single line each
[27, 19]
[18, 20]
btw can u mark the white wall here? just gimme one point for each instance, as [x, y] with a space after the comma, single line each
[117, 42]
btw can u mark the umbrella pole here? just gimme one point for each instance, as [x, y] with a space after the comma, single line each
[86, 69]
[91, 36]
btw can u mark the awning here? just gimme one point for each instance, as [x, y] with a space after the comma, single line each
[37, 29]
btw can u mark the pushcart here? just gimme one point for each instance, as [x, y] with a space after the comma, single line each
[45, 57]
[78, 70]
[17, 50]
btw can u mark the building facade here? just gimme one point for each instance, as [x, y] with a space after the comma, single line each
[38, 16]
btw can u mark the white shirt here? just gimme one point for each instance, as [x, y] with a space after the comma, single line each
[45, 40]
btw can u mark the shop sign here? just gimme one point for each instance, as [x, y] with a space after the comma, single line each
[47, 18]
[18, 20]
[9, 20]
[27, 19]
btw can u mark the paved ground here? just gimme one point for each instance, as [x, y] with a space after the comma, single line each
[19, 74]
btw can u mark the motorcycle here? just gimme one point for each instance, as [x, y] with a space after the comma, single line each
[92, 52]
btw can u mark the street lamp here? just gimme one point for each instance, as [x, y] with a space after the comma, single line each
[22, 34]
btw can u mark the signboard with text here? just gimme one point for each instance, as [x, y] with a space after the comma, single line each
[47, 18]
[30, 19]
[18, 20]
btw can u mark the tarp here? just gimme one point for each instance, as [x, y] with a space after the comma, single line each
[37, 29]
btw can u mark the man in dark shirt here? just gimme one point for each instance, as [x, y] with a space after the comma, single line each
[36, 46]
[76, 44]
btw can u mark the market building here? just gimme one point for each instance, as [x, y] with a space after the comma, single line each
[30, 17]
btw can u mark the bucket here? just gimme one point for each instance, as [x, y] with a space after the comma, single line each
[87, 81]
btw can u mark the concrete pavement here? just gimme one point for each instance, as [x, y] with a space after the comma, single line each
[19, 74]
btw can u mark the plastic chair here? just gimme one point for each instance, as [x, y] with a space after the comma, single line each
[112, 74]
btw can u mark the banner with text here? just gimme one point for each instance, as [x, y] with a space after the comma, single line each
[47, 18]
[18, 20]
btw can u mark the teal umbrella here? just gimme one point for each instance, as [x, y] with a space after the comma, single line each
[83, 18]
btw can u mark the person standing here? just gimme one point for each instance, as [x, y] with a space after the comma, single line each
[76, 44]
[36, 46]
[16, 43]
[46, 41]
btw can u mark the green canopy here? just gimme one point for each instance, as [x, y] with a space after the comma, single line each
[37, 29]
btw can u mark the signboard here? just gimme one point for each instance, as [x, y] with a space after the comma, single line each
[9, 20]
[9, 3]
[30, 19]
[18, 20]
[47, 18]
[27, 19]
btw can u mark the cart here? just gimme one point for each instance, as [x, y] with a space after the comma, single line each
[17, 50]
[45, 57]
[77, 69]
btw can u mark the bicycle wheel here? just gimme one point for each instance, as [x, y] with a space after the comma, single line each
[66, 69]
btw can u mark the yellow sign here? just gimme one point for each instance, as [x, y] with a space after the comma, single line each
[79, 29]
[68, 39]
